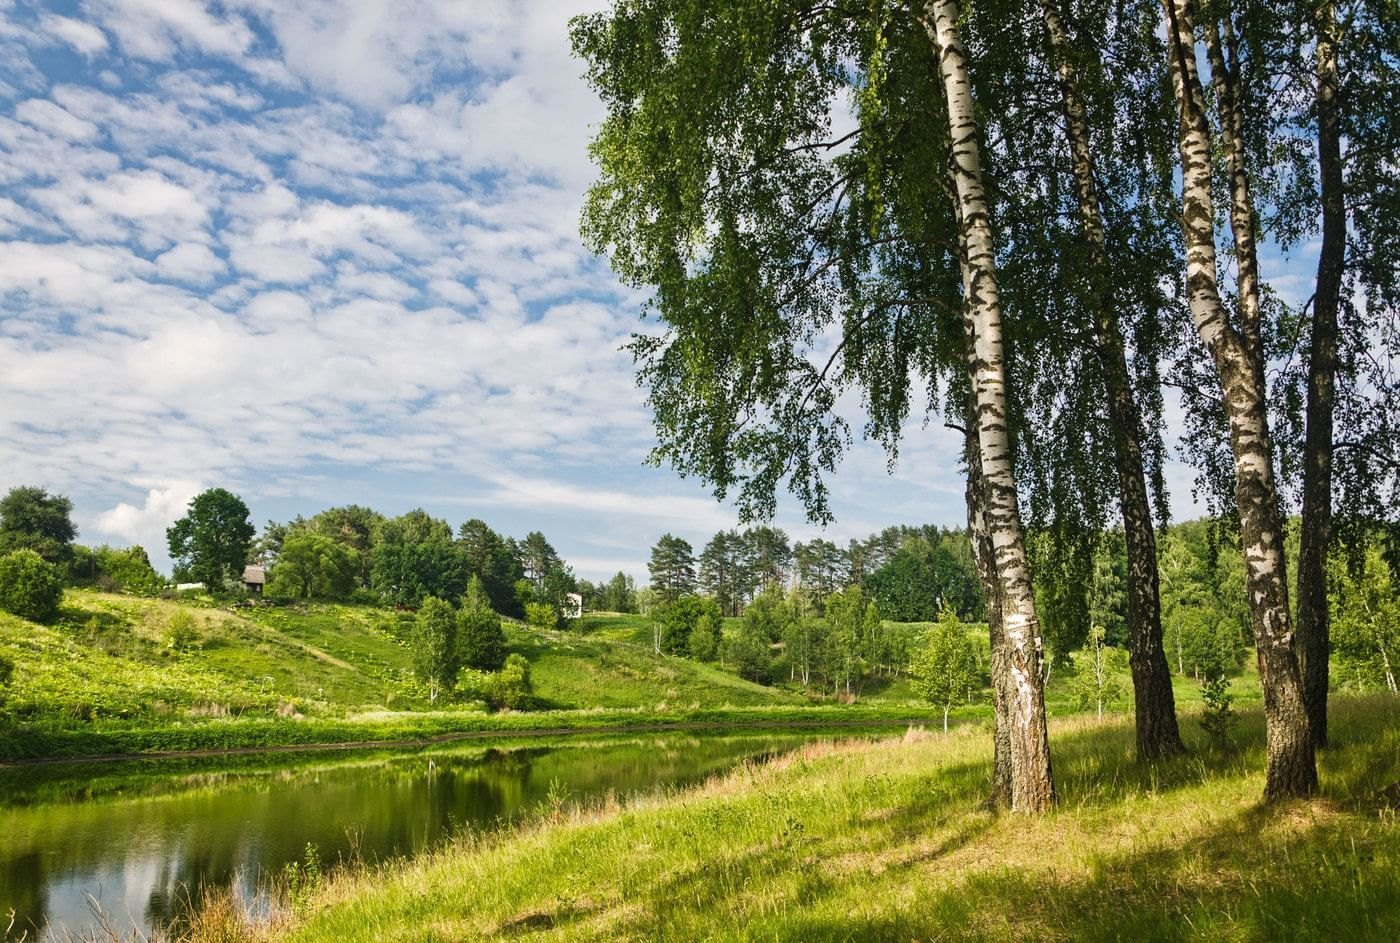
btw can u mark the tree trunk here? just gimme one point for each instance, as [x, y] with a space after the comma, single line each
[1032, 786]
[985, 559]
[1291, 766]
[1155, 703]
[1314, 629]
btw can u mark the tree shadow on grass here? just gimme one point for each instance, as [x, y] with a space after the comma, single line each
[1269, 874]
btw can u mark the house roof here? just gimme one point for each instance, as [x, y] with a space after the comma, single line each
[254, 574]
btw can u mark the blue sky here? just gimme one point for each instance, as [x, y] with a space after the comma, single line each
[327, 252]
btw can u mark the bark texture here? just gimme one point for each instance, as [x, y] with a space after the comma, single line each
[985, 559]
[1314, 623]
[1154, 702]
[1032, 788]
[1291, 766]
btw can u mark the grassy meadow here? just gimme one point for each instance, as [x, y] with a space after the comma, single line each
[122, 674]
[890, 840]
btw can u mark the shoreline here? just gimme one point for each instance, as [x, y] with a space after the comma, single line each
[743, 720]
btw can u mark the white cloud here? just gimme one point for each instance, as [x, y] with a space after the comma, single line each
[46, 116]
[146, 524]
[156, 29]
[83, 37]
[190, 262]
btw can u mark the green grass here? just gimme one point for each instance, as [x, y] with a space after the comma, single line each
[891, 841]
[104, 679]
[608, 661]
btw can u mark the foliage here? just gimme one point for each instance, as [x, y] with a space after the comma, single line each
[944, 668]
[672, 568]
[480, 639]
[1097, 669]
[487, 557]
[541, 615]
[511, 688]
[180, 632]
[750, 652]
[30, 586]
[302, 880]
[850, 617]
[922, 577]
[125, 570]
[677, 620]
[705, 637]
[211, 542]
[1217, 717]
[619, 594]
[1366, 618]
[7, 672]
[311, 566]
[33, 519]
[414, 557]
[554, 589]
[434, 643]
[769, 615]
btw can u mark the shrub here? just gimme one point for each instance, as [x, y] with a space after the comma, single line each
[510, 688]
[7, 673]
[180, 632]
[541, 615]
[30, 587]
[1217, 719]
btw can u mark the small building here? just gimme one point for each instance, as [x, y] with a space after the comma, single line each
[254, 578]
[573, 606]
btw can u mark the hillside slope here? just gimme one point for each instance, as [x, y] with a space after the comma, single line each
[114, 659]
[891, 841]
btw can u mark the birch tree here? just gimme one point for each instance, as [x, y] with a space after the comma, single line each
[1155, 706]
[1032, 788]
[1236, 351]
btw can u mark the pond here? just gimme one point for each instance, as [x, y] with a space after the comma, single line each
[142, 840]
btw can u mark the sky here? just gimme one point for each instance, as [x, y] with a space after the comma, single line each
[327, 252]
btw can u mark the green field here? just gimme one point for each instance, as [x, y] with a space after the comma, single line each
[891, 841]
[105, 678]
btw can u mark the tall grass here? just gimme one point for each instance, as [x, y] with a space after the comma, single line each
[892, 841]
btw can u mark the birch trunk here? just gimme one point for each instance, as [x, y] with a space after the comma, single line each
[1155, 703]
[985, 560]
[1314, 628]
[1291, 766]
[1032, 788]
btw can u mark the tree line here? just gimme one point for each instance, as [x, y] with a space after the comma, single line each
[911, 572]
[1041, 213]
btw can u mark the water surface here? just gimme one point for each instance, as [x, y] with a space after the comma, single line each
[143, 839]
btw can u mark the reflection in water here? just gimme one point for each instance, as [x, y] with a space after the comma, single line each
[144, 840]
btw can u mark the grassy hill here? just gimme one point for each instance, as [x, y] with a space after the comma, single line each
[205, 676]
[891, 841]
[186, 674]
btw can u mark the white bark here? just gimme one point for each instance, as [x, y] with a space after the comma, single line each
[1032, 787]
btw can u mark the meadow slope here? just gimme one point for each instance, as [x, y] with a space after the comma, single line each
[890, 841]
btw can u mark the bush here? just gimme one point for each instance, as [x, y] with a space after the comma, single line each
[1217, 719]
[181, 632]
[7, 673]
[30, 587]
[541, 615]
[510, 688]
